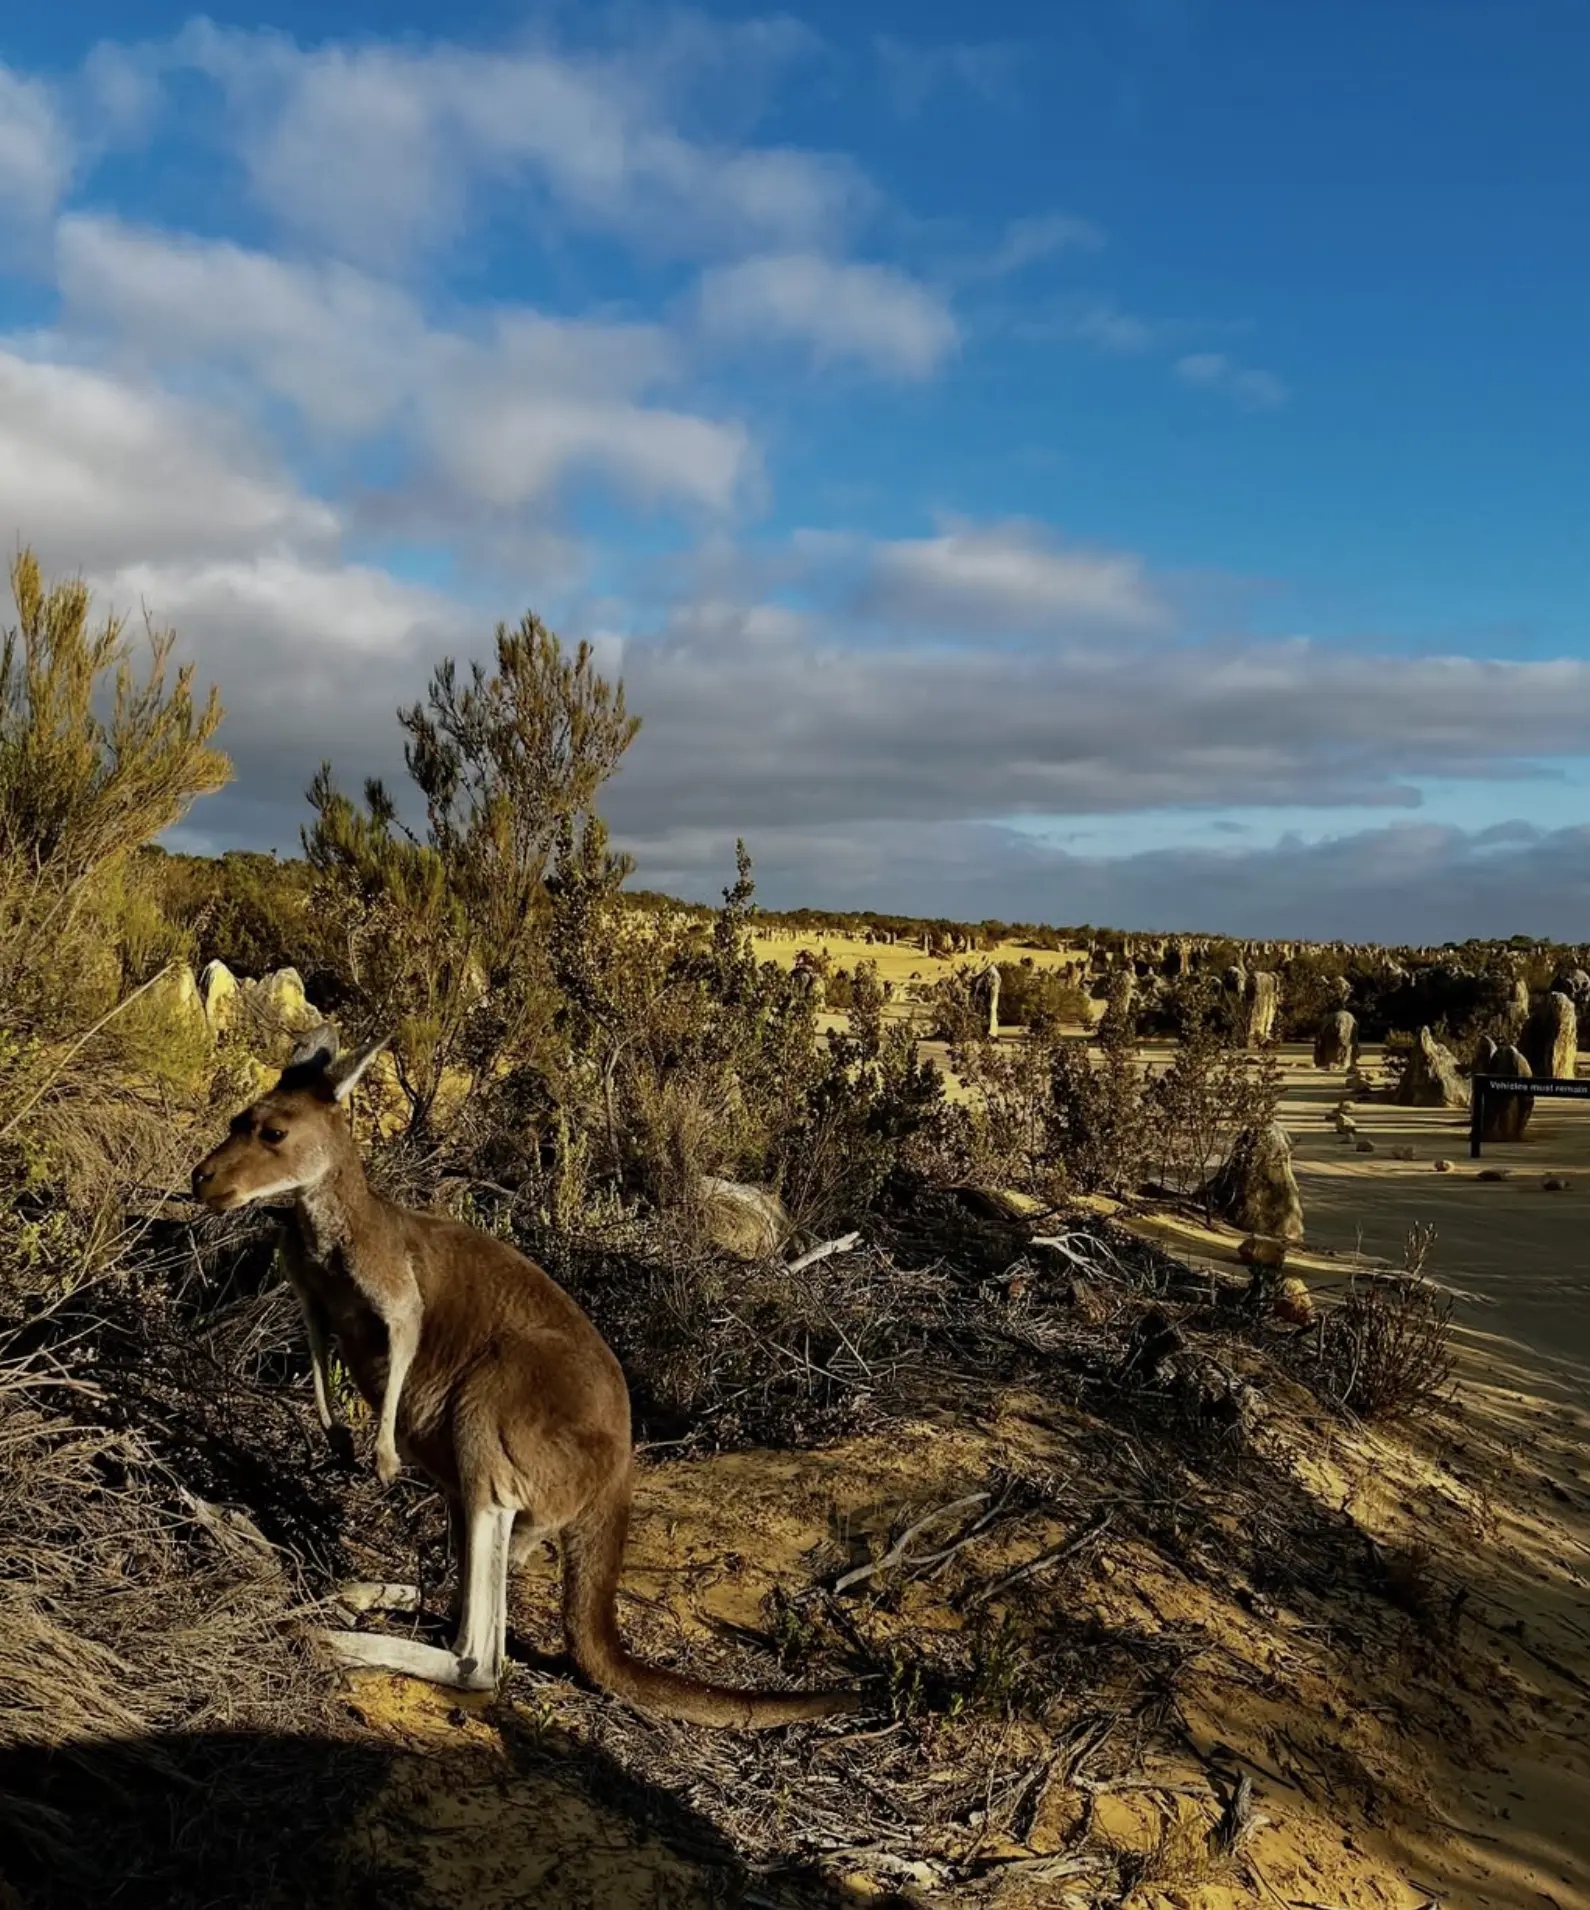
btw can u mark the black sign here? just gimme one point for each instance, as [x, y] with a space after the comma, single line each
[1548, 1086]
[1552, 1086]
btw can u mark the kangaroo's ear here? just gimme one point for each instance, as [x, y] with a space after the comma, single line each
[343, 1076]
[313, 1054]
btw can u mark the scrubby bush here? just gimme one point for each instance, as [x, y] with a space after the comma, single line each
[252, 912]
[445, 932]
[1212, 1089]
[81, 942]
[1038, 998]
[1385, 1353]
[1311, 989]
[953, 1013]
[1044, 1115]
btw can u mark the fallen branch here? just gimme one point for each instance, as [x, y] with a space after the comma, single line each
[846, 1243]
[1034, 1566]
[896, 1554]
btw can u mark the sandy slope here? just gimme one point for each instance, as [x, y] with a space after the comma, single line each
[1461, 1778]
[1518, 1259]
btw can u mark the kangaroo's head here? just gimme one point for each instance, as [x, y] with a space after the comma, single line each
[291, 1138]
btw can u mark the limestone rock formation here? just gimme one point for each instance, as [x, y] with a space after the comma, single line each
[1256, 1188]
[983, 987]
[1517, 1010]
[218, 994]
[175, 997]
[1506, 1115]
[809, 983]
[279, 997]
[1431, 1078]
[1575, 984]
[1261, 996]
[1551, 1037]
[1336, 1044]
[1122, 1000]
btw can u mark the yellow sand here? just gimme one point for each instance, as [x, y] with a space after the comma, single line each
[1503, 1505]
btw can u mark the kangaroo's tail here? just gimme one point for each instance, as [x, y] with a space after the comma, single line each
[593, 1551]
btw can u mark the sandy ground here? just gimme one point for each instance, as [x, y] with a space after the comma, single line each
[1460, 1782]
[1517, 1259]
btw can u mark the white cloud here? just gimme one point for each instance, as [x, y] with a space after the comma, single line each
[161, 505]
[342, 347]
[36, 149]
[374, 149]
[1009, 576]
[95, 471]
[503, 414]
[857, 770]
[507, 451]
[1026, 241]
[1101, 322]
[871, 314]
[913, 75]
[1214, 371]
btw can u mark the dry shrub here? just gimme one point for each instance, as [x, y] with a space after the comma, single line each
[1039, 998]
[1212, 1091]
[1044, 1116]
[1006, 1136]
[953, 1014]
[126, 1617]
[733, 1354]
[1385, 1353]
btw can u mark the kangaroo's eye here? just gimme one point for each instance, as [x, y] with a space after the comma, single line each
[273, 1134]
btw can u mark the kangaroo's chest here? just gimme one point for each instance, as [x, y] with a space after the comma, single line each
[332, 1279]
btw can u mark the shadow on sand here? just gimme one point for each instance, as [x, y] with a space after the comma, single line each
[181, 1821]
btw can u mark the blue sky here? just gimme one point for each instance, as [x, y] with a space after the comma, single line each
[1120, 461]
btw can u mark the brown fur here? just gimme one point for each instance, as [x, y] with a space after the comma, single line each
[514, 1404]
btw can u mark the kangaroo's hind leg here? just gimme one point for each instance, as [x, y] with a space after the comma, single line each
[482, 1642]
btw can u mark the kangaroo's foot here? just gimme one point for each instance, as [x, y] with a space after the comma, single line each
[373, 1651]
[387, 1463]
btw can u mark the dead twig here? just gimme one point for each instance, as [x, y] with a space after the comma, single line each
[897, 1553]
[846, 1243]
[1048, 1559]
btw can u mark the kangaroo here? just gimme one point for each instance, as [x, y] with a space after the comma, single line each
[511, 1401]
[383, 1280]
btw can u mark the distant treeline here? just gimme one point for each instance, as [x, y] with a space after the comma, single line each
[248, 909]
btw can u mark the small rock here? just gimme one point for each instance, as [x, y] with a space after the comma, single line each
[1402, 1153]
[749, 1222]
[1294, 1303]
[1494, 1173]
[1555, 1183]
[1443, 1167]
[1259, 1251]
[1364, 1147]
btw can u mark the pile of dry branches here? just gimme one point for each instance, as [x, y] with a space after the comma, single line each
[151, 1692]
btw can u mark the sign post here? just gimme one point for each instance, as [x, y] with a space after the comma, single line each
[1543, 1087]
